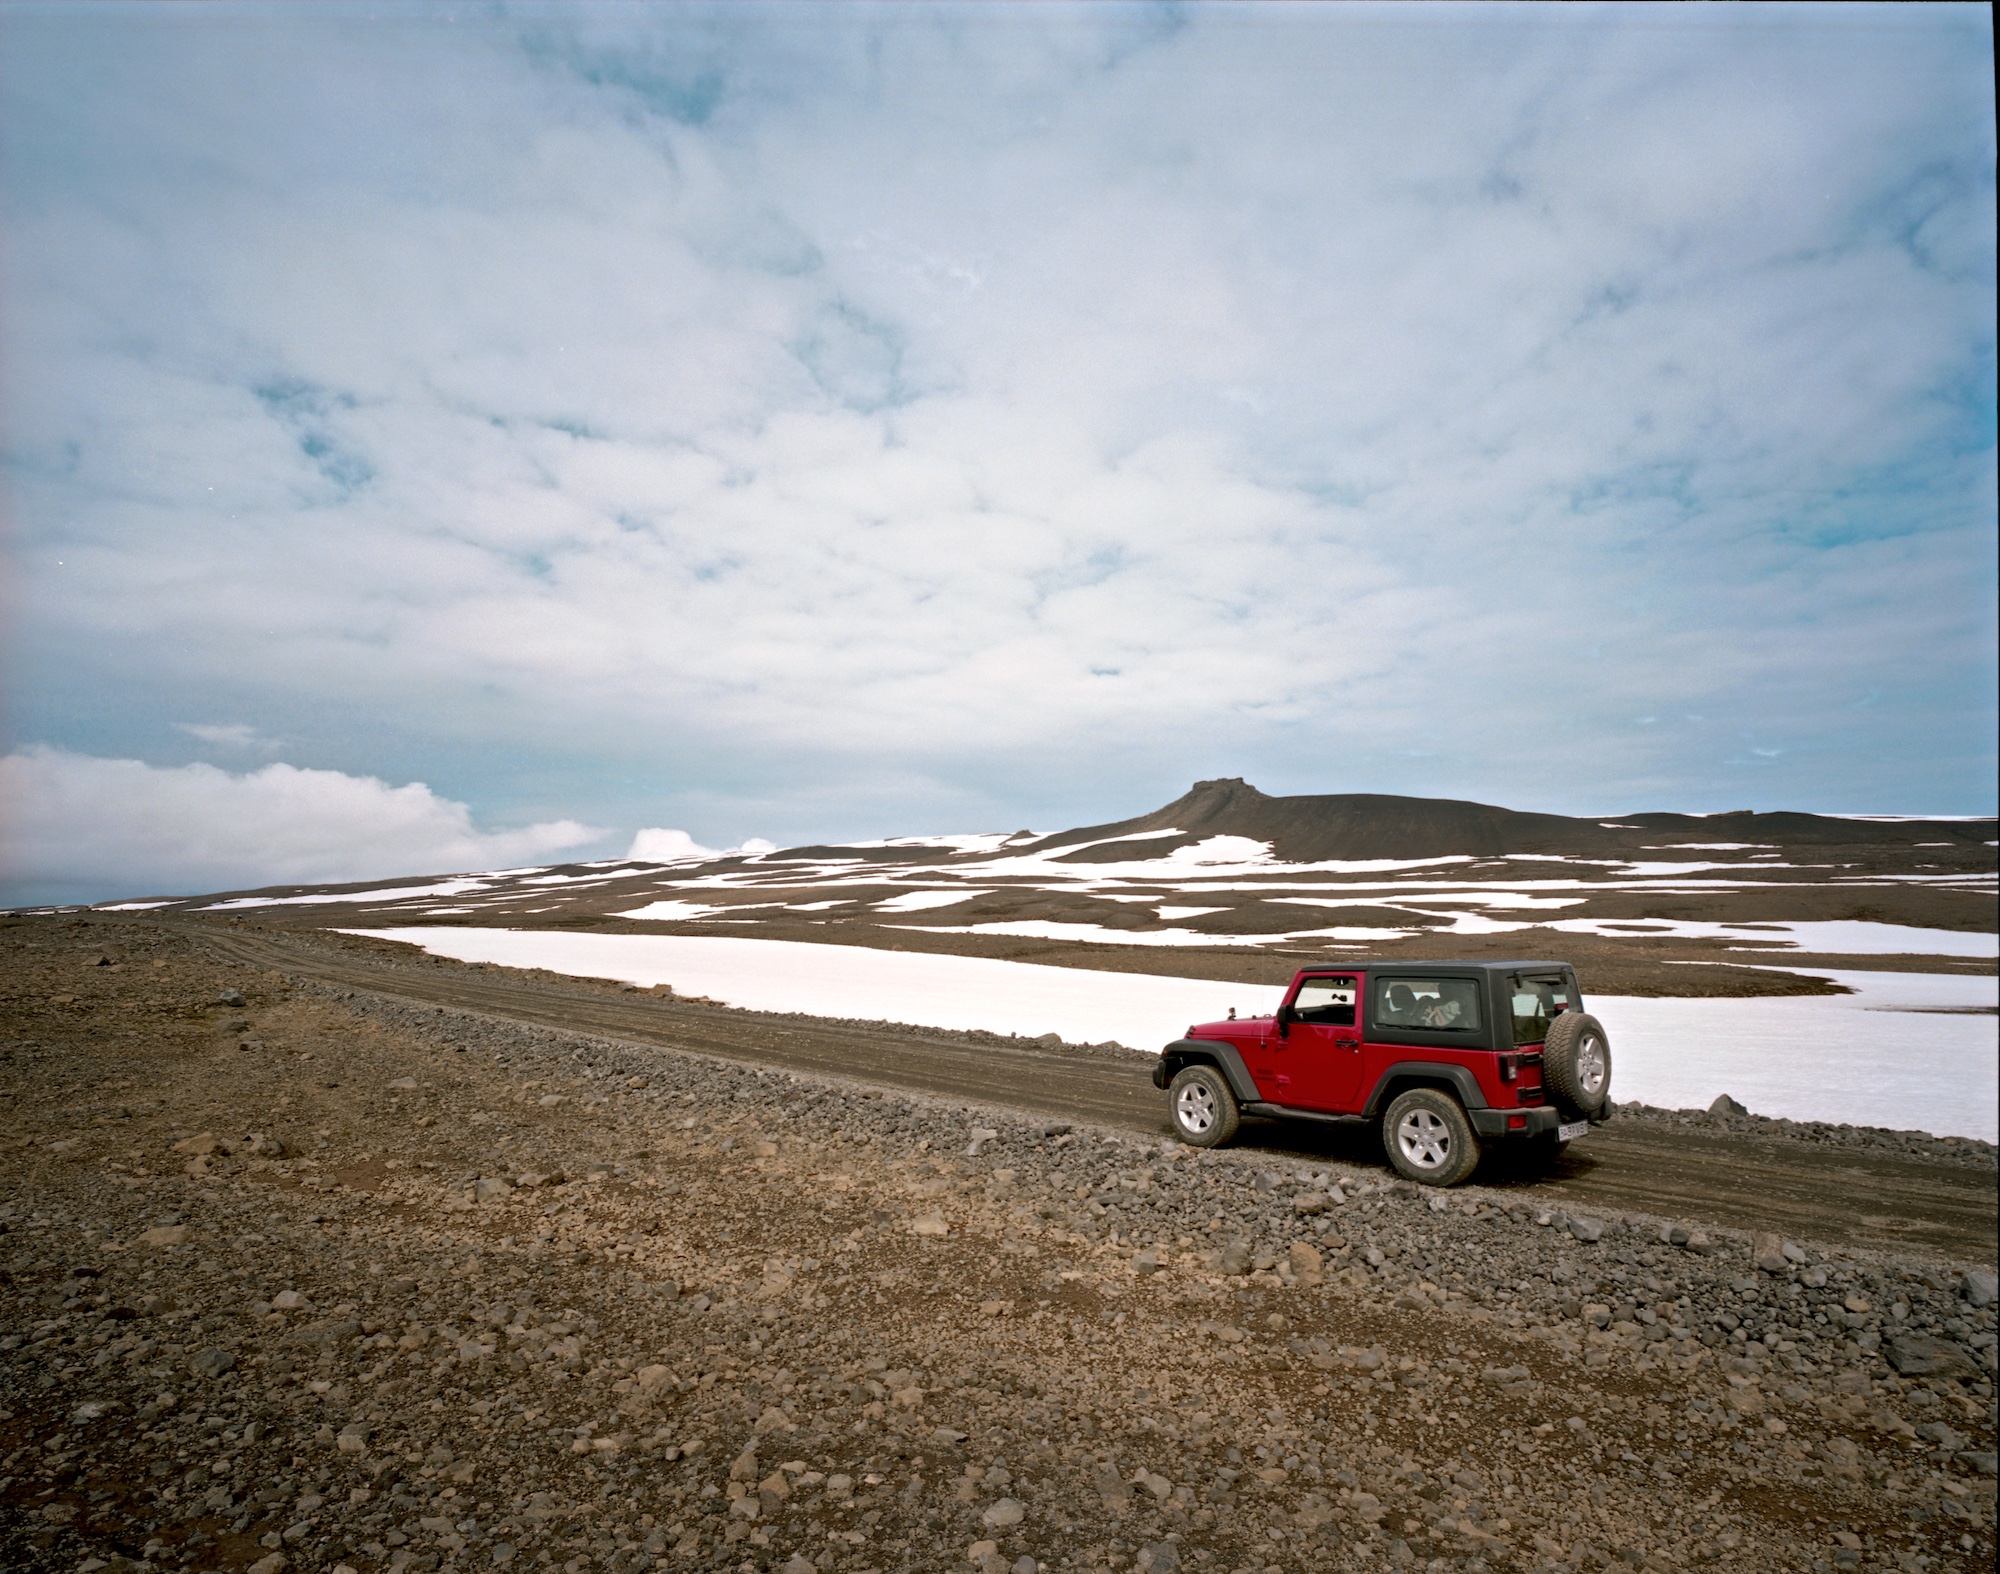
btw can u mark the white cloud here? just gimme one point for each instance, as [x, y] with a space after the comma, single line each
[123, 827]
[1342, 396]
[225, 735]
[658, 845]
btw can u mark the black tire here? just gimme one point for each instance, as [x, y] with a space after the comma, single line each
[1203, 1109]
[1576, 1064]
[1428, 1139]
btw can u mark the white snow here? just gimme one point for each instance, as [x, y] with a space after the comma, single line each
[1832, 937]
[1904, 1051]
[960, 992]
[674, 912]
[133, 907]
[919, 901]
[1233, 850]
[1088, 934]
[397, 894]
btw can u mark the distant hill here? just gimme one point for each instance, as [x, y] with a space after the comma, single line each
[1325, 827]
[1797, 867]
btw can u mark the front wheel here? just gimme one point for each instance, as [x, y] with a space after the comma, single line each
[1428, 1138]
[1205, 1112]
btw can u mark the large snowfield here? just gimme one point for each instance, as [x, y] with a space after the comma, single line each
[1910, 1051]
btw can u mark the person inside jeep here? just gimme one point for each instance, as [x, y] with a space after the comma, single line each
[1440, 1013]
[1448, 1004]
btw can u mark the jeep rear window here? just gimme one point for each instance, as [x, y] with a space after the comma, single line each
[1326, 1000]
[1537, 1003]
[1430, 1005]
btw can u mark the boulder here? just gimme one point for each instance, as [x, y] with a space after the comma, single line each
[1919, 1355]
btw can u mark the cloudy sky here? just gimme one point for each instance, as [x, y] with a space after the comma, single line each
[444, 436]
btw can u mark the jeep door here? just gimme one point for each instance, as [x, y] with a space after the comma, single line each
[1320, 1054]
[1433, 1020]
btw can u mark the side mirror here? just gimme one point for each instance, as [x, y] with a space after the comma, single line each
[1286, 1017]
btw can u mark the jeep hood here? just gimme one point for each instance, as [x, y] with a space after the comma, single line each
[1233, 1027]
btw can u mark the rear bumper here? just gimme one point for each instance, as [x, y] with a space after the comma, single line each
[1491, 1124]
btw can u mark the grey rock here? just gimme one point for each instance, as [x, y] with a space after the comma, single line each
[1767, 1250]
[1587, 1229]
[1725, 1105]
[211, 1363]
[1979, 1286]
[229, 997]
[1919, 1355]
[1980, 1460]
[1235, 1258]
[1161, 1557]
[1023, 1565]
[1945, 1438]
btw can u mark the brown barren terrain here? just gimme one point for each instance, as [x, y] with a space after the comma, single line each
[324, 1258]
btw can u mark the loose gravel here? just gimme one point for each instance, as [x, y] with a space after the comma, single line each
[293, 1277]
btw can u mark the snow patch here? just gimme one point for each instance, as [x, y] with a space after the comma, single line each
[1902, 1051]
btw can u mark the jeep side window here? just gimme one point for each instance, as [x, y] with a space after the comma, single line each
[1447, 1005]
[1537, 1003]
[1329, 1001]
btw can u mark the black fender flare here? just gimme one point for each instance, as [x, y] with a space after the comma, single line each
[1222, 1055]
[1463, 1082]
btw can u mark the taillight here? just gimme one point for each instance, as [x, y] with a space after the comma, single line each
[1510, 1067]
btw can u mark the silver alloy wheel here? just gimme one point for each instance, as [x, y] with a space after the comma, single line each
[1590, 1068]
[1424, 1139]
[1194, 1108]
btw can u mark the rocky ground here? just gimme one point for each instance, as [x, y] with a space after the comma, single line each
[299, 1277]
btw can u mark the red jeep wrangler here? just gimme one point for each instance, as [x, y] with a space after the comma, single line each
[1446, 1056]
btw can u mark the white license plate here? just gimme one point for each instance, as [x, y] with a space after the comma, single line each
[1572, 1131]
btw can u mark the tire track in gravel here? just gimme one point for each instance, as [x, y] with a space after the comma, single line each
[1852, 1197]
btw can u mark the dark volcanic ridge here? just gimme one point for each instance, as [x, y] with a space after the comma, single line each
[1228, 882]
[1353, 826]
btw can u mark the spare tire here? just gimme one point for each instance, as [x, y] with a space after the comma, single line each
[1576, 1064]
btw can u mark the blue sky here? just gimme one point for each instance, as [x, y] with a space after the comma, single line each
[449, 434]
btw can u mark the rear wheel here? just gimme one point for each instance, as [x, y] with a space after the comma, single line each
[1428, 1138]
[1576, 1064]
[1205, 1112]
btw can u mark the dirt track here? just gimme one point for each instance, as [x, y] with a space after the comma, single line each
[1907, 1205]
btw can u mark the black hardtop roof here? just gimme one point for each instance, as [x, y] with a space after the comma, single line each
[1428, 964]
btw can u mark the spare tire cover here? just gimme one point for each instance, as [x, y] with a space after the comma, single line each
[1576, 1063]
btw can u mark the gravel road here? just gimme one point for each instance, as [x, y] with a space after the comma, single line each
[297, 1276]
[1888, 1190]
